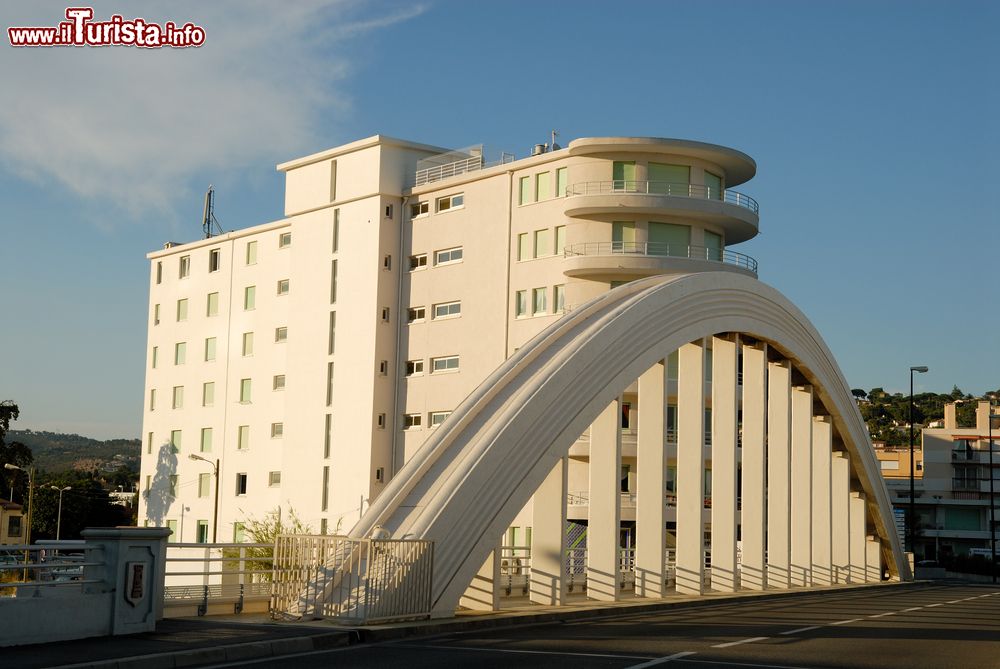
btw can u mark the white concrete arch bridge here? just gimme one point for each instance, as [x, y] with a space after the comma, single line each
[794, 479]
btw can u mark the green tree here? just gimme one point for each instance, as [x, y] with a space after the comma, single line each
[258, 559]
[15, 453]
[86, 504]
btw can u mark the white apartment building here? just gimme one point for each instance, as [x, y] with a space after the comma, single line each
[311, 357]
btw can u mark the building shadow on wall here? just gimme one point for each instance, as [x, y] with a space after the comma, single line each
[161, 494]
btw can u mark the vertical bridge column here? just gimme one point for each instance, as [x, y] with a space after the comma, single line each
[483, 593]
[752, 514]
[548, 538]
[724, 412]
[840, 515]
[801, 491]
[779, 389]
[859, 537]
[690, 468]
[874, 557]
[822, 563]
[650, 511]
[605, 505]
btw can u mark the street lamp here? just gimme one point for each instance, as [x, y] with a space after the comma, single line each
[215, 515]
[59, 514]
[993, 529]
[920, 369]
[31, 497]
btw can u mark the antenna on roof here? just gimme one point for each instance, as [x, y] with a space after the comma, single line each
[555, 147]
[209, 223]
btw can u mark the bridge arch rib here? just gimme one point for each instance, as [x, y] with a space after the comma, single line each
[465, 486]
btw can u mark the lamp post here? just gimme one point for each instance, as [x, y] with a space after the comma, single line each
[911, 525]
[59, 513]
[31, 497]
[993, 529]
[215, 514]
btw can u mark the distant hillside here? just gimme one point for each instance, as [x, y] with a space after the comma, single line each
[56, 452]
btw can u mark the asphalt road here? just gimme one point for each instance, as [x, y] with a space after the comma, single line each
[933, 627]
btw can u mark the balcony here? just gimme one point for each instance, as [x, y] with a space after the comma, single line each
[735, 212]
[633, 259]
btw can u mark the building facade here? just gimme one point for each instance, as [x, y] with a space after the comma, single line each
[303, 361]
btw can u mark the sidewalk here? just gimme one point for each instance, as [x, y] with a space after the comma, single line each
[183, 642]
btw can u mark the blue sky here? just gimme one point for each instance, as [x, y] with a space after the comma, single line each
[874, 126]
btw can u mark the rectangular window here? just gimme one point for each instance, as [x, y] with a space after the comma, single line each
[543, 186]
[245, 387]
[524, 190]
[669, 179]
[175, 441]
[448, 256]
[178, 397]
[418, 261]
[278, 382]
[247, 343]
[521, 303]
[204, 485]
[435, 418]
[329, 384]
[182, 309]
[447, 310]
[561, 177]
[538, 301]
[152, 399]
[243, 437]
[185, 267]
[668, 239]
[273, 479]
[327, 435]
[154, 355]
[241, 484]
[283, 287]
[239, 532]
[332, 343]
[212, 305]
[445, 364]
[333, 180]
[333, 282]
[159, 272]
[251, 253]
[414, 367]
[206, 440]
[210, 349]
[560, 239]
[284, 240]
[385, 314]
[156, 314]
[713, 186]
[543, 243]
[449, 202]
[172, 526]
[277, 430]
[623, 175]
[202, 536]
[415, 314]
[214, 260]
[14, 526]
[559, 299]
[180, 352]
[419, 209]
[325, 492]
[336, 230]
[149, 443]
[523, 246]
[281, 335]
[249, 298]
[172, 490]
[208, 394]
[411, 421]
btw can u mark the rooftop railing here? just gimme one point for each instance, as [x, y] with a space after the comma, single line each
[662, 249]
[664, 188]
[463, 166]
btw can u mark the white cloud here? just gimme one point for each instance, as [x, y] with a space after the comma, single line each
[133, 125]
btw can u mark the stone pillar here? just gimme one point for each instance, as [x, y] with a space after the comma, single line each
[822, 443]
[605, 505]
[483, 593]
[752, 516]
[859, 535]
[779, 395]
[840, 513]
[801, 490]
[873, 555]
[690, 468]
[651, 458]
[548, 538]
[724, 414]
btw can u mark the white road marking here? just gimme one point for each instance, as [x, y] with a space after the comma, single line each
[883, 615]
[662, 660]
[745, 664]
[954, 601]
[912, 608]
[845, 622]
[803, 629]
[521, 652]
[737, 643]
[931, 606]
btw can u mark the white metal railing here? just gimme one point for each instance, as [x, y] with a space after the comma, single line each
[515, 570]
[204, 574]
[662, 250]
[351, 580]
[664, 188]
[463, 166]
[24, 569]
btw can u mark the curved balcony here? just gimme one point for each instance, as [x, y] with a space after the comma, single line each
[737, 213]
[611, 260]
